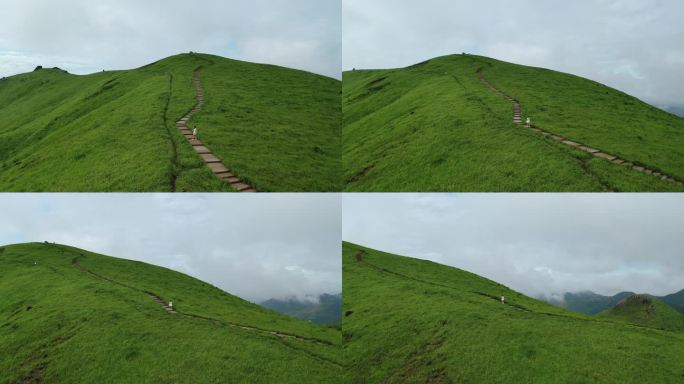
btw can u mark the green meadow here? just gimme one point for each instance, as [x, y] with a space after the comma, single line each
[407, 320]
[275, 127]
[73, 316]
[435, 126]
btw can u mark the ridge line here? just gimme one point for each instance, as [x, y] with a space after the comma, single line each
[517, 120]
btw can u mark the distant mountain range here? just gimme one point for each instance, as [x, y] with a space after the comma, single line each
[328, 310]
[592, 303]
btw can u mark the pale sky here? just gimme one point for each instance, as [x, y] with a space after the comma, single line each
[538, 244]
[256, 246]
[636, 46]
[83, 36]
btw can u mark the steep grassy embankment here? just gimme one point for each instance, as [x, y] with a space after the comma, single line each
[435, 126]
[414, 321]
[115, 131]
[73, 316]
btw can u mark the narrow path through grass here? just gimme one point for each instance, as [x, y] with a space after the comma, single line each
[517, 119]
[214, 163]
[495, 298]
[160, 300]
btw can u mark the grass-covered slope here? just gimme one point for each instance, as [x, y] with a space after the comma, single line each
[645, 310]
[72, 316]
[115, 131]
[435, 126]
[414, 321]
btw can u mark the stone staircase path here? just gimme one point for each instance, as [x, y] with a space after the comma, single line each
[212, 161]
[517, 119]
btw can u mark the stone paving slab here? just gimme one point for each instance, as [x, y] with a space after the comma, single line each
[605, 156]
[201, 149]
[210, 158]
[588, 149]
[218, 167]
[240, 186]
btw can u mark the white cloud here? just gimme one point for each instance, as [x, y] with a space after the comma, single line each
[632, 45]
[121, 34]
[535, 243]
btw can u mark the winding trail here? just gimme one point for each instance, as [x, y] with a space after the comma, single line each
[214, 163]
[517, 119]
[174, 311]
[497, 299]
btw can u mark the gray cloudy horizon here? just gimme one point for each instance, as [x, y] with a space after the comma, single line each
[631, 45]
[82, 36]
[538, 244]
[257, 247]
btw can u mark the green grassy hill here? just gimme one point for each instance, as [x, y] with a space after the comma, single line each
[72, 316]
[275, 127]
[588, 302]
[415, 321]
[592, 303]
[435, 126]
[645, 310]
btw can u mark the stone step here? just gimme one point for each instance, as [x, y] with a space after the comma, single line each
[218, 167]
[588, 149]
[605, 156]
[210, 158]
[568, 142]
[232, 180]
[241, 186]
[201, 149]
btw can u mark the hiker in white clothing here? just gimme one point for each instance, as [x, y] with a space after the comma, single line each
[527, 121]
[171, 304]
[503, 300]
[194, 133]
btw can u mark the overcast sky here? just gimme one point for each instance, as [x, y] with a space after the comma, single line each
[84, 36]
[636, 46]
[254, 246]
[534, 243]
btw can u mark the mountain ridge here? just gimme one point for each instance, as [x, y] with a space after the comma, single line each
[388, 126]
[61, 304]
[114, 130]
[592, 303]
[408, 320]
